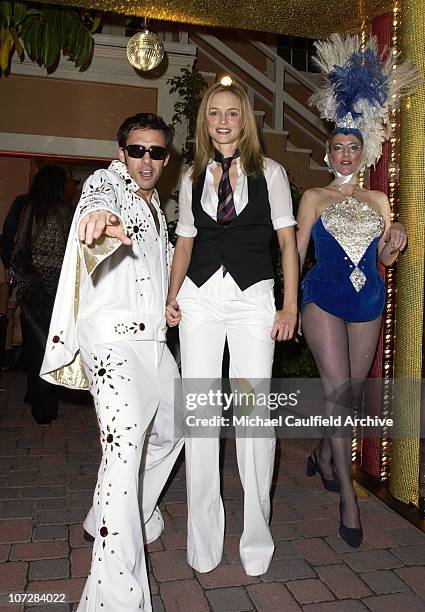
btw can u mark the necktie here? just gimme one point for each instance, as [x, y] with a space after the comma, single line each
[226, 207]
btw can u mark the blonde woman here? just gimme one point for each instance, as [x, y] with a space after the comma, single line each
[231, 201]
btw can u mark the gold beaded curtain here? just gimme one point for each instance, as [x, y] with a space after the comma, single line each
[310, 18]
[405, 468]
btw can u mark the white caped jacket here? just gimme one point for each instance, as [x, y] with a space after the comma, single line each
[109, 292]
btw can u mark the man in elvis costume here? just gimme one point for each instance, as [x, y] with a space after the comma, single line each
[108, 334]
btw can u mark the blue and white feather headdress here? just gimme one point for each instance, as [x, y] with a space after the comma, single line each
[361, 88]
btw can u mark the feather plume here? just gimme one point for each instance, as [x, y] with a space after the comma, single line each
[360, 87]
[360, 78]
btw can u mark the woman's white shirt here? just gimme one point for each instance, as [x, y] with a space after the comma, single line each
[219, 286]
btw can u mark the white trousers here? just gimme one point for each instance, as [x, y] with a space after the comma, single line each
[204, 327]
[132, 384]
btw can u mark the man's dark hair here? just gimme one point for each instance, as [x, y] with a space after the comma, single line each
[145, 121]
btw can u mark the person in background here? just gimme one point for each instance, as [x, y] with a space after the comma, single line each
[4, 302]
[36, 262]
[10, 226]
[71, 189]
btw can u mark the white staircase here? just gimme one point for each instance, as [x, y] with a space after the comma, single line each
[292, 133]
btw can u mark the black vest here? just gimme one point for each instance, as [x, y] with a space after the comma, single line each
[242, 246]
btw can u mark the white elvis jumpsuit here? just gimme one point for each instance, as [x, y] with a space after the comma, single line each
[108, 333]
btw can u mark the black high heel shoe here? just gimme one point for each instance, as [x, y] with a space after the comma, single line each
[313, 467]
[353, 536]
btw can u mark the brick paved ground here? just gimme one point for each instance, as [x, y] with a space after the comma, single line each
[47, 474]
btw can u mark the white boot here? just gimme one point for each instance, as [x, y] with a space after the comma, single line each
[153, 528]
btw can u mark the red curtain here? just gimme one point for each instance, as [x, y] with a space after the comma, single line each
[371, 447]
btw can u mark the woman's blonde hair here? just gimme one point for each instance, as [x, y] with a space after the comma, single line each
[251, 155]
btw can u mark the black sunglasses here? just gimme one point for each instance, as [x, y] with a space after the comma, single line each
[138, 151]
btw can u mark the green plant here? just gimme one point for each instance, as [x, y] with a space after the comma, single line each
[294, 360]
[172, 225]
[44, 32]
[189, 86]
[275, 250]
[291, 359]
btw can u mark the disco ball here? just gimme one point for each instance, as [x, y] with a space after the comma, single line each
[145, 51]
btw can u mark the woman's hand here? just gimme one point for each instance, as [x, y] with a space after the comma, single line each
[172, 313]
[284, 325]
[396, 237]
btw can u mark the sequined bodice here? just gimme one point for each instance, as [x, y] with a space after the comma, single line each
[345, 280]
[354, 225]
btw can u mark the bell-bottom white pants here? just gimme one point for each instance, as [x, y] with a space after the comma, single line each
[204, 327]
[132, 384]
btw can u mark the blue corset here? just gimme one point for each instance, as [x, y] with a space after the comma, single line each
[345, 281]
